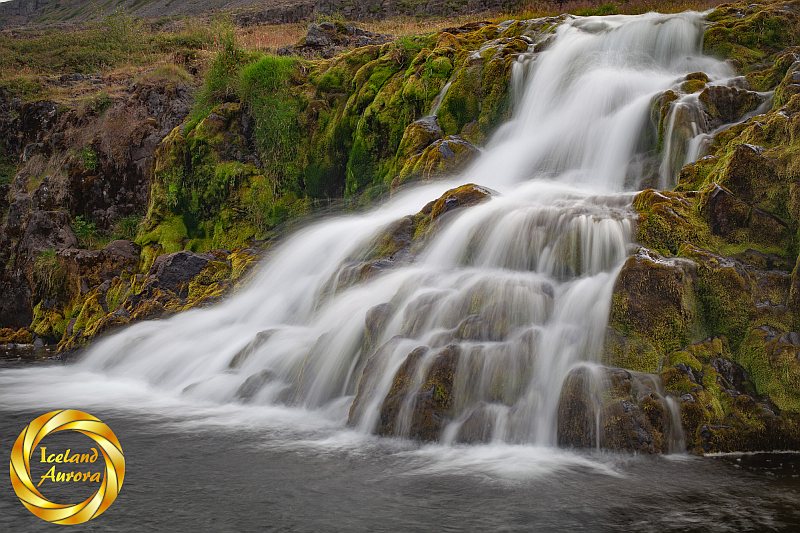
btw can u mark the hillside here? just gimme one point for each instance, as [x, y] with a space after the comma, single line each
[35, 12]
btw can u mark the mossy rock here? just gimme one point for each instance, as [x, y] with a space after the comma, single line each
[442, 157]
[613, 409]
[751, 34]
[15, 336]
[653, 309]
[722, 405]
[668, 220]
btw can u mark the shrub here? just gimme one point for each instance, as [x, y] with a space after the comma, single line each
[86, 232]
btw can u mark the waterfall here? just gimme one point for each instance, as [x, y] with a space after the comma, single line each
[507, 296]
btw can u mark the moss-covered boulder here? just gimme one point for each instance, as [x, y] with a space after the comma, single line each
[722, 406]
[751, 35]
[442, 157]
[174, 283]
[653, 311]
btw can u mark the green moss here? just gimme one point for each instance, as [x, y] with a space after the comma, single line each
[332, 80]
[90, 312]
[773, 367]
[633, 353]
[169, 234]
[693, 86]
[48, 323]
[116, 294]
[725, 296]
[669, 220]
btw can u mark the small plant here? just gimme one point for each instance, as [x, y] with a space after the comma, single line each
[100, 102]
[90, 159]
[49, 275]
[86, 232]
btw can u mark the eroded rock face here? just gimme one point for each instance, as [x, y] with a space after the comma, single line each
[87, 162]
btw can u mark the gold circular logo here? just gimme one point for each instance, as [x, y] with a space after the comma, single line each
[67, 420]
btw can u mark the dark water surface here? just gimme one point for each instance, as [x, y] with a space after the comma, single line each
[226, 469]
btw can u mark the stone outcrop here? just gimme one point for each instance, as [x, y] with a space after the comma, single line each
[708, 303]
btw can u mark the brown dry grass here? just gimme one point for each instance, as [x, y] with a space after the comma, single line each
[270, 37]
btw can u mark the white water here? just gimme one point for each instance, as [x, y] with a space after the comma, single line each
[520, 285]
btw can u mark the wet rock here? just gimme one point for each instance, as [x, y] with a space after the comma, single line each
[653, 298]
[464, 196]
[430, 404]
[478, 426]
[244, 354]
[728, 104]
[375, 322]
[442, 157]
[253, 384]
[613, 409]
[726, 212]
[419, 135]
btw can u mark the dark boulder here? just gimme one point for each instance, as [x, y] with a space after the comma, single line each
[173, 272]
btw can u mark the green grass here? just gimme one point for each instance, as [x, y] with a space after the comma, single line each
[127, 228]
[86, 232]
[266, 90]
[49, 274]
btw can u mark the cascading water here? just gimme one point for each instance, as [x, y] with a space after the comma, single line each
[509, 295]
